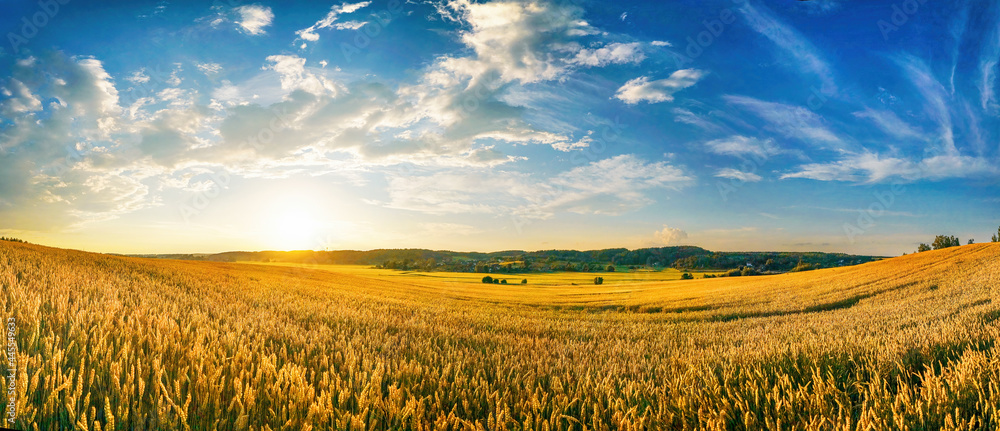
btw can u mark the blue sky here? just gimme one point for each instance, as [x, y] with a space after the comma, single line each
[863, 127]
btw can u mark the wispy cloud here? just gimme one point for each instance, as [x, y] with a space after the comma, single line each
[735, 174]
[790, 41]
[682, 115]
[791, 121]
[610, 186]
[988, 61]
[742, 146]
[871, 167]
[885, 213]
[935, 96]
[891, 124]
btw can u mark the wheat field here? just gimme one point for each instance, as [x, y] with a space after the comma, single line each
[116, 343]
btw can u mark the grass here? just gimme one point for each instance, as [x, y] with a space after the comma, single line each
[109, 342]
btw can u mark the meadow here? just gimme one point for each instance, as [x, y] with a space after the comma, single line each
[118, 343]
[621, 275]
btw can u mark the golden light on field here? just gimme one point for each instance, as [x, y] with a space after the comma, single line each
[113, 343]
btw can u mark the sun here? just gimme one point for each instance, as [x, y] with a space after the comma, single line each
[295, 229]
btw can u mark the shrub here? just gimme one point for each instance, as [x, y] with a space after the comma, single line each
[598, 280]
[611, 268]
[525, 281]
[687, 276]
[504, 281]
[488, 280]
[803, 267]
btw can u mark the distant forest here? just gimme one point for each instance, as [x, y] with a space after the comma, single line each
[517, 261]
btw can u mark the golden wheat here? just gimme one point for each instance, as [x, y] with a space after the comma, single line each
[115, 343]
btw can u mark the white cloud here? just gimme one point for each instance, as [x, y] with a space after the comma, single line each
[615, 53]
[641, 89]
[20, 100]
[660, 43]
[329, 21]
[522, 41]
[669, 235]
[253, 18]
[742, 146]
[349, 25]
[209, 68]
[738, 175]
[792, 121]
[294, 75]
[57, 170]
[139, 77]
[567, 146]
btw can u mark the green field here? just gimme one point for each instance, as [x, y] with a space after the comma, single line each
[620, 276]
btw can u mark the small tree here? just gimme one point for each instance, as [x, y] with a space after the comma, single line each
[996, 238]
[610, 268]
[504, 281]
[945, 241]
[525, 281]
[687, 276]
[923, 247]
[488, 280]
[598, 280]
[971, 241]
[496, 281]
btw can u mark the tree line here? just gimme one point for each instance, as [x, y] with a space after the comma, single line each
[518, 261]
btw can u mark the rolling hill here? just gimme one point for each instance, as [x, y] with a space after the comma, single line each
[112, 342]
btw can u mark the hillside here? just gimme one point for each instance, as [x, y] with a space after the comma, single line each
[688, 257]
[129, 343]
